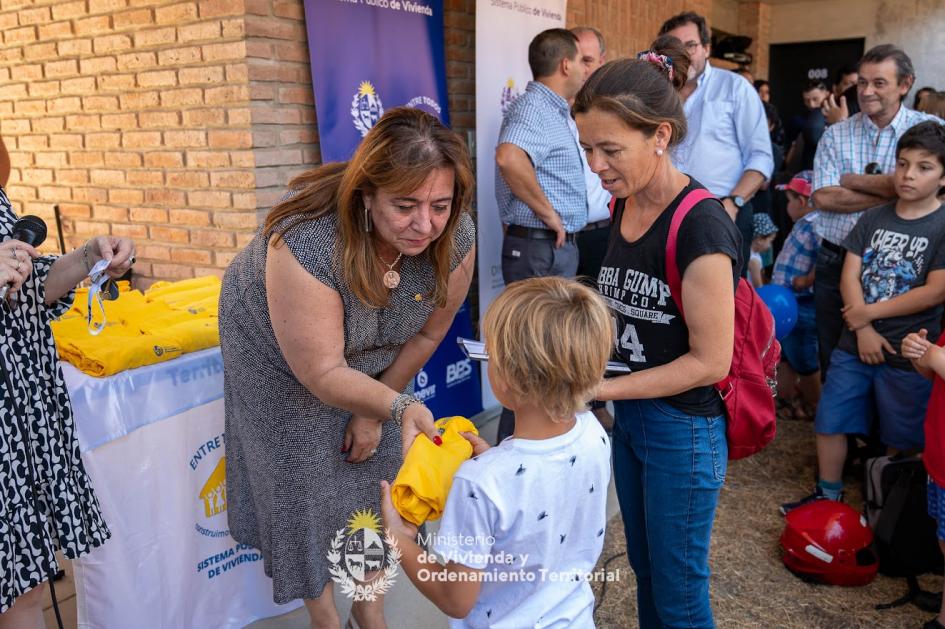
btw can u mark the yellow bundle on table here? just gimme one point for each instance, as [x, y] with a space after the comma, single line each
[167, 320]
[419, 492]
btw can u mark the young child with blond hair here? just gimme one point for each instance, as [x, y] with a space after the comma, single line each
[524, 522]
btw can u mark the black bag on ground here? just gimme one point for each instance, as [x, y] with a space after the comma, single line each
[897, 510]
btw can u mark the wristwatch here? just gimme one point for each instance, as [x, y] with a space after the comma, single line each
[737, 200]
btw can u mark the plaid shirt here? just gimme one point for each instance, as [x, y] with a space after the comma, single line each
[847, 147]
[539, 122]
[798, 254]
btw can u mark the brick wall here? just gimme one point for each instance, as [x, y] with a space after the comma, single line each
[134, 118]
[754, 20]
[284, 133]
[629, 26]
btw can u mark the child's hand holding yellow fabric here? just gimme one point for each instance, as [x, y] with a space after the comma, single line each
[419, 492]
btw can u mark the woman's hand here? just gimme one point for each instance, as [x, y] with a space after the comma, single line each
[417, 419]
[870, 345]
[120, 253]
[16, 263]
[362, 435]
[394, 524]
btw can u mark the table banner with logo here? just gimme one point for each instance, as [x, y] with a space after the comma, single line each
[152, 441]
[449, 384]
[504, 28]
[368, 56]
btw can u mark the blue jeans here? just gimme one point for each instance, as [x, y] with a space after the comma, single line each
[669, 468]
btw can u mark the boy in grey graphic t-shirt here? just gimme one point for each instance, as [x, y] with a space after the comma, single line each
[893, 283]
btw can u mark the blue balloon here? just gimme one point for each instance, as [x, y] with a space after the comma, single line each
[783, 306]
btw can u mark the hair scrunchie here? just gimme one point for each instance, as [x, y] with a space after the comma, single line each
[661, 61]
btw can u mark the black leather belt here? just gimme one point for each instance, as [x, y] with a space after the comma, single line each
[829, 246]
[534, 233]
[596, 225]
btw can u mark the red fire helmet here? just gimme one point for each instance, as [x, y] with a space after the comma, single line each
[828, 542]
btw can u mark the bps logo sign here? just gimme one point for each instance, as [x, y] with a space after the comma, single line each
[458, 372]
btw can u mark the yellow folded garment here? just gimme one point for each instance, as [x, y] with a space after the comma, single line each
[419, 492]
[206, 307]
[127, 300]
[183, 299]
[115, 349]
[156, 317]
[195, 335]
[141, 329]
[162, 288]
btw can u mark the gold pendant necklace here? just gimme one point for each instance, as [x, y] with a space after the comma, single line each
[392, 277]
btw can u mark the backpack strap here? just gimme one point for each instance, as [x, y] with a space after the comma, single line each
[893, 505]
[672, 270]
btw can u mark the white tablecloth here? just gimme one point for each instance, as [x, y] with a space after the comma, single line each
[152, 443]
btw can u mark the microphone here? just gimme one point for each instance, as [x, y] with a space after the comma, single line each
[31, 230]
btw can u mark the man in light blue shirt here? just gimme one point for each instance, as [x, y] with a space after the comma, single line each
[727, 148]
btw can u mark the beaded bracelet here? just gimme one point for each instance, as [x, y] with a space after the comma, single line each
[399, 406]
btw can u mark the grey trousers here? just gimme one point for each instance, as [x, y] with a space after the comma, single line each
[523, 258]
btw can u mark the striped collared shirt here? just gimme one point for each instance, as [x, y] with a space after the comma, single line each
[847, 147]
[539, 122]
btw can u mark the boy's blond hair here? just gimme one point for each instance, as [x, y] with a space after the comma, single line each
[550, 339]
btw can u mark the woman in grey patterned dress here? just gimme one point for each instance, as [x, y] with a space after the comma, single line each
[46, 499]
[319, 344]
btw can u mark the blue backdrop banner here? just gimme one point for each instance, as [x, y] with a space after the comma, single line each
[449, 384]
[368, 56]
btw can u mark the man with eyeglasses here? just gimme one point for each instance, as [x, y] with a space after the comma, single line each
[727, 147]
[853, 171]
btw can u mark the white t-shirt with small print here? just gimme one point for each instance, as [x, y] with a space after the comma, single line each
[531, 514]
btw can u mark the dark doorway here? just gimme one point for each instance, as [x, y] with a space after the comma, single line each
[791, 66]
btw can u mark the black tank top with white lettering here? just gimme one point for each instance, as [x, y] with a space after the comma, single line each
[632, 279]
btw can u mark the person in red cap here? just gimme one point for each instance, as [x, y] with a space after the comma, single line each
[799, 377]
